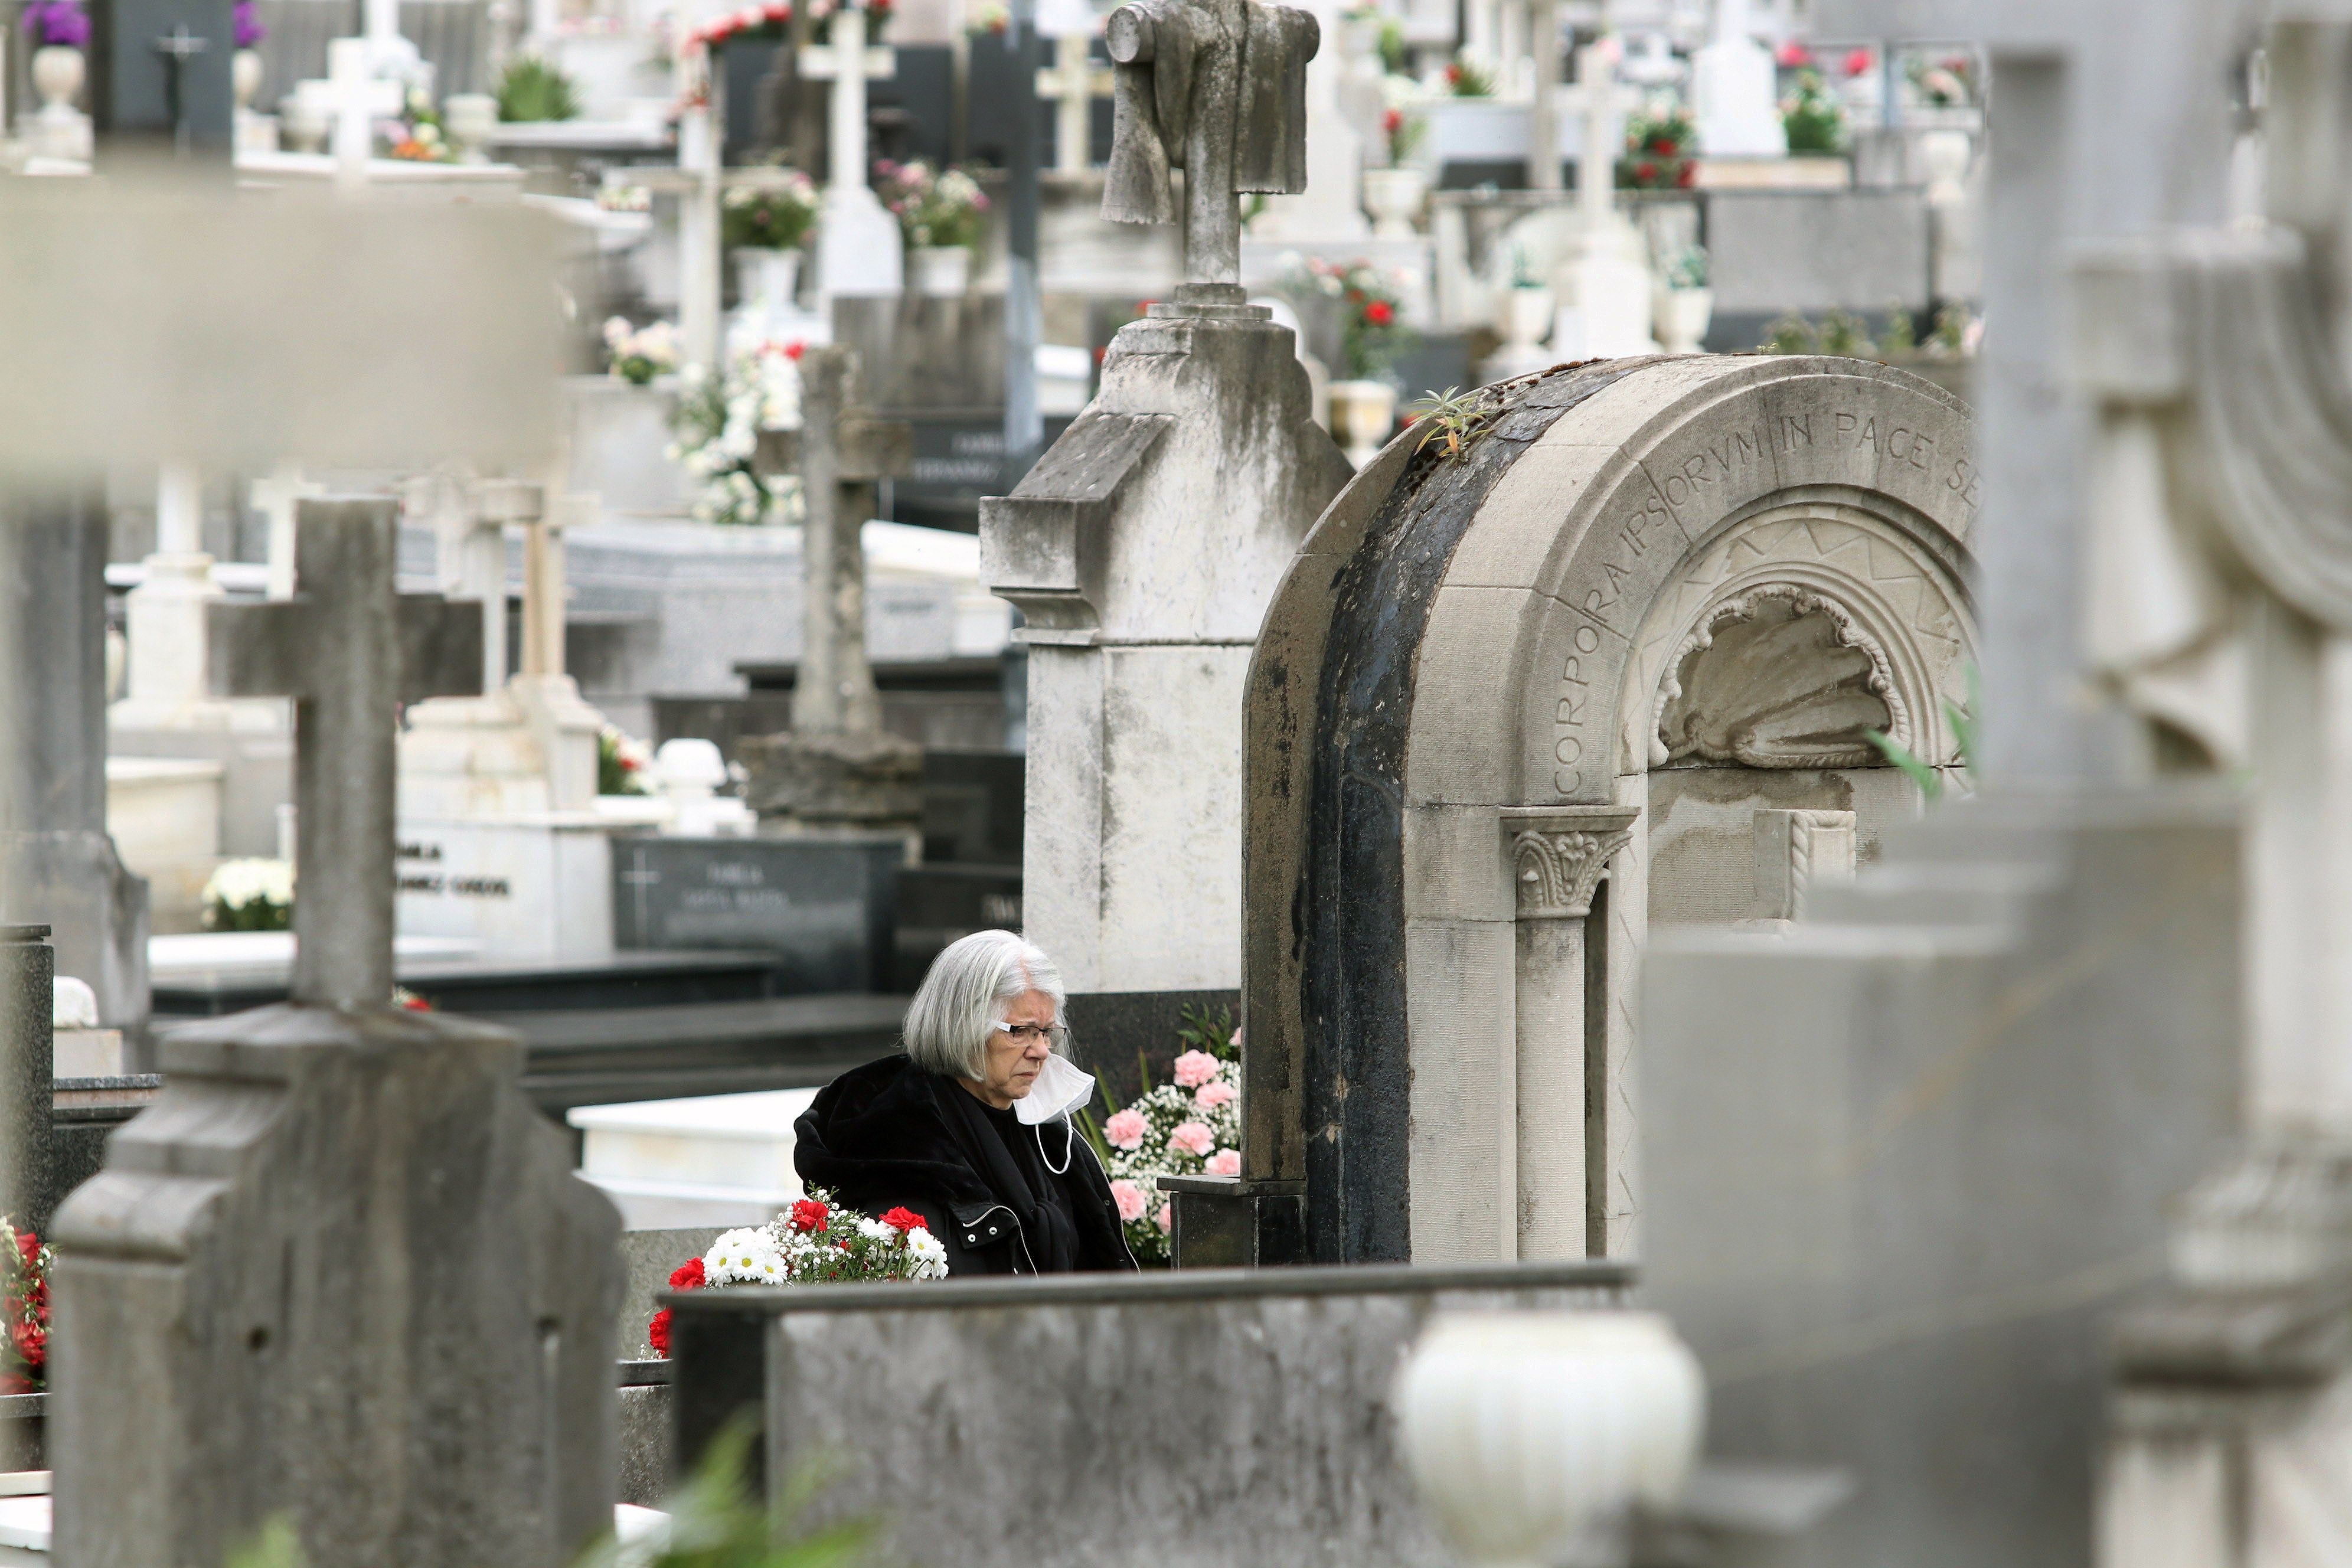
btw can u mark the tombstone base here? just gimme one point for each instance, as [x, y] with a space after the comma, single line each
[866, 784]
[1225, 1222]
[339, 1270]
[75, 883]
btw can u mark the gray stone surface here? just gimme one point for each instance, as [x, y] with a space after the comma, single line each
[645, 1444]
[648, 1257]
[1818, 250]
[28, 1152]
[1900, 1164]
[1209, 1418]
[58, 866]
[339, 1270]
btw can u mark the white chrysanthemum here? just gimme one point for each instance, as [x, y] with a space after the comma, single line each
[875, 1230]
[925, 1247]
[743, 1257]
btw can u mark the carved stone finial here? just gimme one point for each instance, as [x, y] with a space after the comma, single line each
[1559, 853]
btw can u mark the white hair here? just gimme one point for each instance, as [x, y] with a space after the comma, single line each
[963, 998]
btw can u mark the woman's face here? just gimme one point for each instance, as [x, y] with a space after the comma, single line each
[1018, 1056]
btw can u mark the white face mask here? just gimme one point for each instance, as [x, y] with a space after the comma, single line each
[1059, 1087]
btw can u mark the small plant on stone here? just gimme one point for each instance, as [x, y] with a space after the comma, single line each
[1660, 152]
[1465, 77]
[1813, 118]
[935, 208]
[1931, 779]
[249, 895]
[1844, 334]
[532, 89]
[1403, 130]
[776, 219]
[1454, 418]
[1900, 336]
[1957, 331]
[620, 761]
[1686, 267]
[1792, 334]
[640, 353]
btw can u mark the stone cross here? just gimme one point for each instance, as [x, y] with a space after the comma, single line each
[177, 49]
[349, 648]
[837, 768]
[700, 184]
[859, 247]
[841, 452]
[1073, 82]
[357, 96]
[1543, 114]
[1217, 88]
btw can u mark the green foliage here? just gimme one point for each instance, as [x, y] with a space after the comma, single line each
[769, 219]
[1660, 152]
[1453, 417]
[1843, 333]
[1465, 77]
[1952, 329]
[1901, 333]
[1964, 743]
[533, 89]
[1392, 45]
[1686, 268]
[1814, 119]
[1792, 334]
[276, 1546]
[1198, 1030]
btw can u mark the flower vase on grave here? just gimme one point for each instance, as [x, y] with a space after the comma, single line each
[470, 119]
[1393, 198]
[767, 280]
[245, 77]
[58, 130]
[941, 271]
[1683, 316]
[1363, 412]
[1526, 315]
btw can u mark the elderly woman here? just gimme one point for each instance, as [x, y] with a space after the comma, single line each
[970, 1127]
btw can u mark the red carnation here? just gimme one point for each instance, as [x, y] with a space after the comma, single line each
[28, 1247]
[687, 1276]
[1391, 120]
[1645, 170]
[1858, 61]
[1662, 143]
[1380, 312]
[657, 1333]
[1689, 177]
[905, 1219]
[808, 1216]
[1793, 54]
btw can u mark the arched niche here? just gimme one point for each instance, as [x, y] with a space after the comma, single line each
[1649, 593]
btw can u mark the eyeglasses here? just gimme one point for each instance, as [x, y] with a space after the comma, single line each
[1027, 1035]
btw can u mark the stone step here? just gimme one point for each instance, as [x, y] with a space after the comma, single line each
[1933, 892]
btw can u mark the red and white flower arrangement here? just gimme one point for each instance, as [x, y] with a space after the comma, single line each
[1190, 1126]
[815, 1241]
[25, 1307]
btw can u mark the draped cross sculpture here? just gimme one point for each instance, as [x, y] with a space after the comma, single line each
[1217, 88]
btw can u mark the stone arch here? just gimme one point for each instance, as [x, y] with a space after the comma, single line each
[1463, 681]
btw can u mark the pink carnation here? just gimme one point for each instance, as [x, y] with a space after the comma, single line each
[1225, 1163]
[1210, 1096]
[1194, 1068]
[1192, 1137]
[1126, 1129]
[1129, 1199]
[1166, 1218]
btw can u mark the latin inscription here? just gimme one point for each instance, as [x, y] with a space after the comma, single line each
[1569, 715]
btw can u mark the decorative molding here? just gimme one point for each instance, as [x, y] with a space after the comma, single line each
[1795, 848]
[1558, 853]
[1746, 607]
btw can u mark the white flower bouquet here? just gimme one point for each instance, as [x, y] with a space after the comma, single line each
[250, 895]
[1190, 1126]
[718, 426]
[815, 1241]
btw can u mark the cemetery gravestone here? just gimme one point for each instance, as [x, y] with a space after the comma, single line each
[1143, 546]
[1649, 598]
[339, 1270]
[823, 907]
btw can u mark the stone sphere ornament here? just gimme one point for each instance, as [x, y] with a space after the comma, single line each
[1527, 1432]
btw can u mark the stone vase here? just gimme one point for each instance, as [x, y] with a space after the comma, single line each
[471, 118]
[1393, 198]
[245, 77]
[57, 74]
[940, 270]
[767, 279]
[1362, 415]
[1683, 315]
[1528, 1433]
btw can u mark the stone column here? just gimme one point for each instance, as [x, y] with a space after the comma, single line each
[166, 614]
[1556, 857]
[1543, 110]
[57, 866]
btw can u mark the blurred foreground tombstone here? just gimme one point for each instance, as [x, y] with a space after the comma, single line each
[339, 1270]
[1911, 1170]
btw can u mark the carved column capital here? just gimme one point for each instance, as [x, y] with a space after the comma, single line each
[1556, 854]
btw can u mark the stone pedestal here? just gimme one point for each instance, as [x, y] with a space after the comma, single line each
[415, 1296]
[1142, 550]
[801, 782]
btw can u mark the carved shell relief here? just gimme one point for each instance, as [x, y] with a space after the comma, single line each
[1779, 675]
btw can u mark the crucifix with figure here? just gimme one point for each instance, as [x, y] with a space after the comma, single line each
[1217, 88]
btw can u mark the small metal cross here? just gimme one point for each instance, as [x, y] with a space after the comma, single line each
[177, 50]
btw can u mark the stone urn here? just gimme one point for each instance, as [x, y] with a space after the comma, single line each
[58, 73]
[245, 77]
[1363, 412]
[1682, 317]
[1530, 1433]
[1523, 314]
[1393, 198]
[471, 118]
[939, 270]
[767, 280]
[305, 122]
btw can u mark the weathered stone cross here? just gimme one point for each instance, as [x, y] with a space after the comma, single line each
[348, 647]
[1217, 88]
